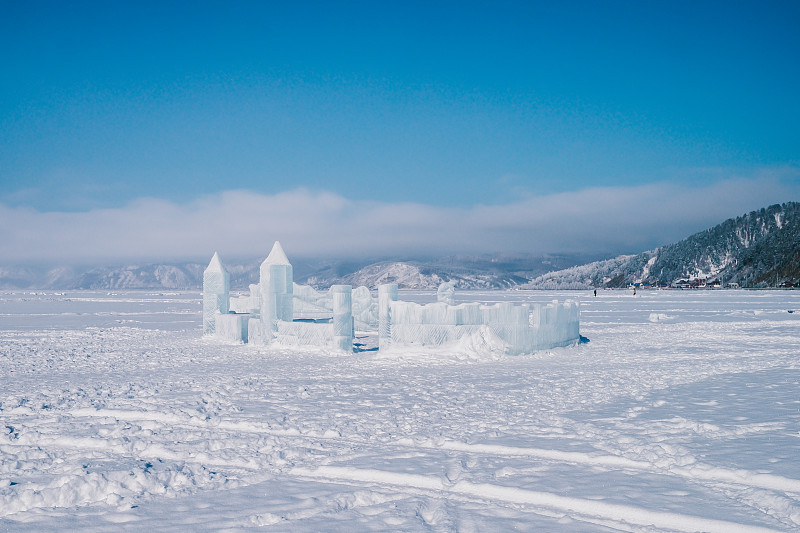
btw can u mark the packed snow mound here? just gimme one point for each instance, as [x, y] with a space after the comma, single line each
[660, 317]
[479, 345]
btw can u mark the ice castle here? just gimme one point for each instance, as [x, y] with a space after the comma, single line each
[281, 312]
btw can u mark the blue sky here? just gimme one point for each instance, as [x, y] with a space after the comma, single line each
[448, 106]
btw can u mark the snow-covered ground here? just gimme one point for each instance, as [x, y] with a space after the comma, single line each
[681, 413]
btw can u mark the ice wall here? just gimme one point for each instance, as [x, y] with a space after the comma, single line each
[524, 328]
[232, 327]
[304, 334]
[276, 286]
[216, 288]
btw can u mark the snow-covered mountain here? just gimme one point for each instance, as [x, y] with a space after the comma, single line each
[27, 276]
[756, 249]
[759, 249]
[142, 277]
[468, 272]
[416, 276]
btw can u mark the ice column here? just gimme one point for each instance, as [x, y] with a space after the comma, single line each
[386, 295]
[276, 290]
[342, 317]
[216, 284]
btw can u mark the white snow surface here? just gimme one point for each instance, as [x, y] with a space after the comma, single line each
[682, 413]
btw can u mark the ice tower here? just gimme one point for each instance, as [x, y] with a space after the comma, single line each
[216, 284]
[276, 290]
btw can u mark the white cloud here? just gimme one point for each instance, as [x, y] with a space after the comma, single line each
[308, 223]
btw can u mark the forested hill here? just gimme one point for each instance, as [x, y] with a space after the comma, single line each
[759, 249]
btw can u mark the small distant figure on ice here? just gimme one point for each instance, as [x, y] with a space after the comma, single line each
[595, 293]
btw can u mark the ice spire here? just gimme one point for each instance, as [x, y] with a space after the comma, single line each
[215, 265]
[216, 286]
[276, 256]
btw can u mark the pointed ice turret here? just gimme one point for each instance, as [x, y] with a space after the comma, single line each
[216, 286]
[276, 256]
[276, 289]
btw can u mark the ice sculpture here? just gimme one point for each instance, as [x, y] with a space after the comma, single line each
[276, 289]
[278, 311]
[365, 309]
[216, 286]
[447, 293]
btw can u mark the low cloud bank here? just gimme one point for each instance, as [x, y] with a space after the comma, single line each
[309, 223]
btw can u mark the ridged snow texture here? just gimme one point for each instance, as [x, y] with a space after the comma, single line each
[525, 328]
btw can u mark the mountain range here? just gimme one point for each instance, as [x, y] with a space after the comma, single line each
[468, 272]
[759, 249]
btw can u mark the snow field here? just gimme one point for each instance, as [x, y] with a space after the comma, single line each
[115, 415]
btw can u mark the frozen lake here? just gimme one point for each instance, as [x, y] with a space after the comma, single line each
[682, 413]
